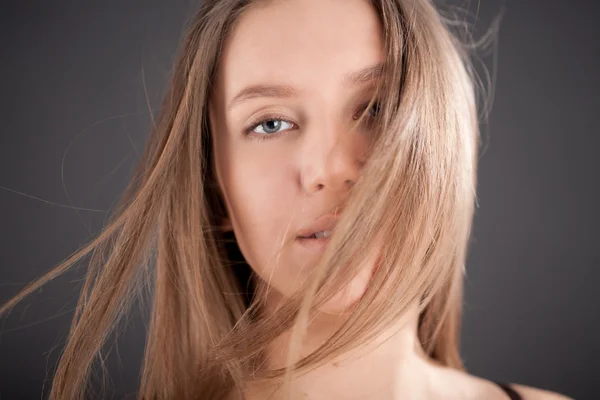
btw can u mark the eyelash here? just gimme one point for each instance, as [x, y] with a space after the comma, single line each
[274, 117]
[262, 136]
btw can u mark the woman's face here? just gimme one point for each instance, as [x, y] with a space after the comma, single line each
[302, 68]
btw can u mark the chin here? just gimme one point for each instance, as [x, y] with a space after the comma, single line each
[346, 299]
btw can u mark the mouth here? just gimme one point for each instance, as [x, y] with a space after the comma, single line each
[316, 242]
[317, 235]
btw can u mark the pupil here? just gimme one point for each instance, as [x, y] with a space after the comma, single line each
[272, 125]
[376, 108]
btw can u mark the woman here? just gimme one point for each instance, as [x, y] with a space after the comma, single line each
[301, 214]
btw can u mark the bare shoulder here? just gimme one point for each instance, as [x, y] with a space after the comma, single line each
[531, 393]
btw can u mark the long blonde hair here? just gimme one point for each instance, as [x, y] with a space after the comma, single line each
[417, 190]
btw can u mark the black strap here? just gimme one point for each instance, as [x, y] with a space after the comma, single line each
[512, 393]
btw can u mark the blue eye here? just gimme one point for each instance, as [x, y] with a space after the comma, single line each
[273, 126]
[373, 112]
[377, 108]
[268, 127]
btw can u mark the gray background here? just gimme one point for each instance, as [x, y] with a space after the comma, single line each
[74, 118]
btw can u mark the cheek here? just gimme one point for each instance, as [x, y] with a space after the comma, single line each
[260, 195]
[265, 205]
[353, 292]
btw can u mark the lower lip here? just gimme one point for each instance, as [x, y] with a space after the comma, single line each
[314, 244]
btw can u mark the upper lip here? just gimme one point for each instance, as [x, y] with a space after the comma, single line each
[324, 223]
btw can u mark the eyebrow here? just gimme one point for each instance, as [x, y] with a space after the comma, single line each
[284, 91]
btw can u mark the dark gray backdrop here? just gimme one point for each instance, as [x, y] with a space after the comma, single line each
[74, 118]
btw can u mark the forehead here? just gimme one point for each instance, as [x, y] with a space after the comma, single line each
[307, 44]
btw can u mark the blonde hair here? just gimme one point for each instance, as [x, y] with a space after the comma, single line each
[417, 190]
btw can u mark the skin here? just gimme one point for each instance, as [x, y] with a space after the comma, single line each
[275, 185]
[313, 160]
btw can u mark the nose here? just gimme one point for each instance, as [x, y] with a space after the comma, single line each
[332, 160]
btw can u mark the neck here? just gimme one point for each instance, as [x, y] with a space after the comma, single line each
[393, 365]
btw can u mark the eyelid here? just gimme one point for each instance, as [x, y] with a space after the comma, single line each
[248, 131]
[364, 105]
